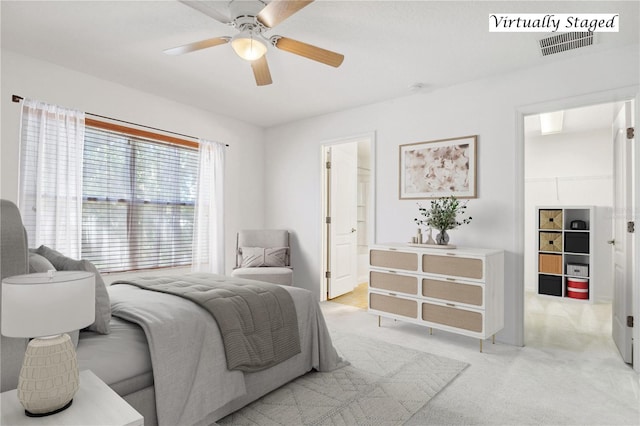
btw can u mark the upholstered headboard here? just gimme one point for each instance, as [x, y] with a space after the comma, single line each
[14, 260]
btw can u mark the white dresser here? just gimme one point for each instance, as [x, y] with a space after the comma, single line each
[459, 290]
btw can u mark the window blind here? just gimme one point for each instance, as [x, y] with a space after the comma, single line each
[138, 201]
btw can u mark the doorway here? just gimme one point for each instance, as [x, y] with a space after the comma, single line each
[347, 218]
[568, 168]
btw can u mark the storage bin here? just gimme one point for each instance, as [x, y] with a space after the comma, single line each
[550, 263]
[550, 219]
[550, 285]
[576, 242]
[578, 288]
[551, 241]
[578, 269]
[578, 224]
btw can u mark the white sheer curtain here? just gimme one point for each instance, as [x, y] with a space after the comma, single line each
[50, 182]
[208, 227]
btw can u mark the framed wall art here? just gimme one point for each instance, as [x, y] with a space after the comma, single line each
[439, 168]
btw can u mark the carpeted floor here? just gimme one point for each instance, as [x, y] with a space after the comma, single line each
[569, 372]
[385, 384]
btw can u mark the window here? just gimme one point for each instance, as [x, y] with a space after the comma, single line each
[138, 201]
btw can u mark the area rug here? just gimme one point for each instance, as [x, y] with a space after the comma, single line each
[385, 384]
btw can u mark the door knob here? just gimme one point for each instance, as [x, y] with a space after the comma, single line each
[612, 242]
[353, 230]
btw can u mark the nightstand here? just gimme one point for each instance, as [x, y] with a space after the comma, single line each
[94, 404]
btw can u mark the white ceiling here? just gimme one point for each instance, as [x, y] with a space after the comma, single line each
[388, 46]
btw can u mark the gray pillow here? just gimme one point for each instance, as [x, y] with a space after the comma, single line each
[103, 304]
[39, 263]
[253, 257]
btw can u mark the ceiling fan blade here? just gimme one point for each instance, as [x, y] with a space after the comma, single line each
[279, 10]
[197, 45]
[207, 8]
[308, 51]
[261, 71]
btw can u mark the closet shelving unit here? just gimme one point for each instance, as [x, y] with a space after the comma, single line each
[565, 261]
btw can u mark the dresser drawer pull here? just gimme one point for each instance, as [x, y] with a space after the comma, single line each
[451, 304]
[393, 294]
[451, 254]
[450, 279]
[392, 272]
[391, 248]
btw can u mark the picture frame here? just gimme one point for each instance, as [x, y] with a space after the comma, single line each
[438, 168]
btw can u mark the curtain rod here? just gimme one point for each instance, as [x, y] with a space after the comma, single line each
[17, 99]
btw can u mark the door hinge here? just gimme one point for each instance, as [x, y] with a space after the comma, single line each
[630, 321]
[327, 274]
[630, 132]
[327, 219]
[631, 227]
[328, 164]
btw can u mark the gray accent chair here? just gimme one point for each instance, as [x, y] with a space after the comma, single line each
[269, 238]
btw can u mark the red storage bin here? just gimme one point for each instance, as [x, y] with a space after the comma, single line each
[578, 288]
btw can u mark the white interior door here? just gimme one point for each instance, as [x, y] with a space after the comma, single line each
[622, 261]
[343, 208]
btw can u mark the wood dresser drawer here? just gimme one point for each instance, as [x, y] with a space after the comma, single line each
[394, 305]
[393, 282]
[452, 316]
[471, 294]
[394, 260]
[464, 267]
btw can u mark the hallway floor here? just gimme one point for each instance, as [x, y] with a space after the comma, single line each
[357, 298]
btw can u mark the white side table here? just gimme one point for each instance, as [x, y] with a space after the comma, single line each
[94, 404]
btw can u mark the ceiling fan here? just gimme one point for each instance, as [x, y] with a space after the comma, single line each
[253, 19]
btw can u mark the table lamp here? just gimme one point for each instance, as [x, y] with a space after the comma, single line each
[44, 307]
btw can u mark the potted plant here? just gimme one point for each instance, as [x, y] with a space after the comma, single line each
[444, 214]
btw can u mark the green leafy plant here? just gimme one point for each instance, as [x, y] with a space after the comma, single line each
[445, 213]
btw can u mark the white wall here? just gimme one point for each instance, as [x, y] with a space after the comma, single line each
[487, 108]
[28, 77]
[570, 169]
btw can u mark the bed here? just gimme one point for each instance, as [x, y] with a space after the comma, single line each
[164, 354]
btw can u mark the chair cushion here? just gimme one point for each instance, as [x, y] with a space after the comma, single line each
[259, 256]
[275, 275]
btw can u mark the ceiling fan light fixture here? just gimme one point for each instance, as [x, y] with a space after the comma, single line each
[248, 47]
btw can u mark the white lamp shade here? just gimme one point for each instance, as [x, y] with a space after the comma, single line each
[45, 304]
[248, 47]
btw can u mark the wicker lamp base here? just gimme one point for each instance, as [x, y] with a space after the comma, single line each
[49, 376]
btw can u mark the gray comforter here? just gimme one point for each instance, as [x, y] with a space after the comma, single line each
[257, 320]
[191, 379]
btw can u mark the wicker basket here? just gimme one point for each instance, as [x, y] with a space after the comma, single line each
[550, 241]
[550, 219]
